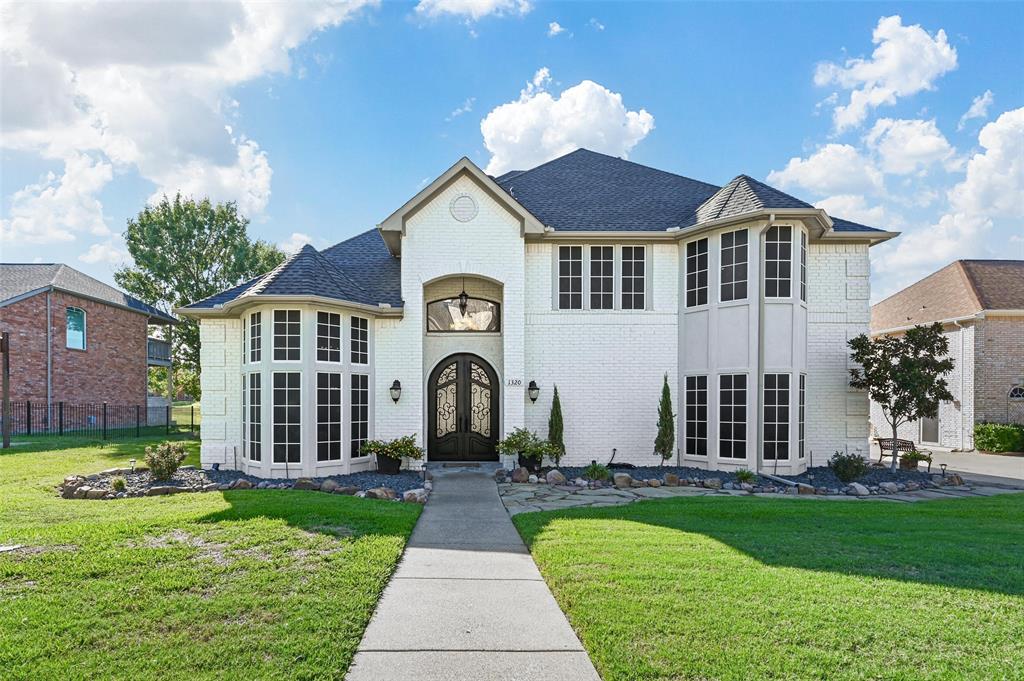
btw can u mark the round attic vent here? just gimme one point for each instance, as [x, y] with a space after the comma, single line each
[463, 208]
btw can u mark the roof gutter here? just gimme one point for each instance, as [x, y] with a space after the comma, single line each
[238, 304]
[949, 320]
[156, 319]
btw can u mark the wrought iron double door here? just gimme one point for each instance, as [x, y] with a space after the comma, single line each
[463, 417]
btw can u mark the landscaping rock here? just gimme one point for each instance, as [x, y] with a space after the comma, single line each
[241, 483]
[801, 488]
[306, 483]
[81, 492]
[671, 480]
[622, 480]
[889, 487]
[532, 479]
[858, 490]
[212, 487]
[415, 496]
[347, 490]
[638, 483]
[328, 486]
[654, 482]
[161, 490]
[520, 474]
[954, 479]
[381, 493]
[713, 483]
[580, 482]
[96, 493]
[555, 477]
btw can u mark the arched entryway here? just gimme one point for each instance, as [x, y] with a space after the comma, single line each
[462, 418]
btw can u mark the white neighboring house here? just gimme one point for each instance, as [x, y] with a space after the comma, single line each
[592, 273]
[980, 304]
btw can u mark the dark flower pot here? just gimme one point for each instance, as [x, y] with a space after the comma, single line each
[529, 464]
[388, 465]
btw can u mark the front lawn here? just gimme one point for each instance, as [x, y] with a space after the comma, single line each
[242, 584]
[744, 588]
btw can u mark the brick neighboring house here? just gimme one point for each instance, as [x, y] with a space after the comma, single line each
[94, 349]
[980, 304]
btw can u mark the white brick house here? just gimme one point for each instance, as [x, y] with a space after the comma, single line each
[591, 273]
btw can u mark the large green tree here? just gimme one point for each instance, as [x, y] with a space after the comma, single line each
[186, 250]
[904, 374]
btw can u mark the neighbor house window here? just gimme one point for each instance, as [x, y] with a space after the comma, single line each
[360, 401]
[252, 416]
[570, 277]
[255, 336]
[328, 337]
[776, 417]
[734, 265]
[803, 402]
[633, 273]
[328, 416]
[359, 340]
[803, 267]
[287, 416]
[778, 262]
[697, 415]
[602, 277]
[732, 416]
[449, 315]
[76, 328]
[697, 273]
[286, 335]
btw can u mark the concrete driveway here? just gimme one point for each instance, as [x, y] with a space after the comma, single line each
[984, 468]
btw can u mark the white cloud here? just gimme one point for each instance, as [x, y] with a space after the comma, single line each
[978, 109]
[295, 242]
[539, 126]
[855, 207]
[595, 24]
[907, 60]
[472, 10]
[907, 146]
[832, 169]
[466, 107]
[110, 252]
[554, 28]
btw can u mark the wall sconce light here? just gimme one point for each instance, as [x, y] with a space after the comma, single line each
[533, 391]
[396, 390]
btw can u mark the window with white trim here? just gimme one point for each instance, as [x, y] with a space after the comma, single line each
[328, 416]
[634, 267]
[801, 414]
[287, 335]
[255, 336]
[803, 266]
[328, 337]
[602, 277]
[75, 326]
[696, 415]
[287, 424]
[732, 416]
[359, 422]
[570, 277]
[359, 340]
[778, 262]
[776, 417]
[697, 273]
[252, 416]
[734, 266]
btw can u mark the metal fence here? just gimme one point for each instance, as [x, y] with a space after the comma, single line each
[102, 421]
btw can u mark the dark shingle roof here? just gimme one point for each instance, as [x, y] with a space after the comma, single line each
[368, 261]
[308, 273]
[18, 279]
[743, 195]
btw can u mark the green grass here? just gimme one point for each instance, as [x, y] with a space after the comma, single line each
[745, 588]
[246, 584]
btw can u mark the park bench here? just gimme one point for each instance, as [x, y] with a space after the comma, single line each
[897, 446]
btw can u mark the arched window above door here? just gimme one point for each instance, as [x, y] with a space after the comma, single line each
[477, 314]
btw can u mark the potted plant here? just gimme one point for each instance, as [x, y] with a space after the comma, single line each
[545, 449]
[521, 443]
[390, 453]
[910, 460]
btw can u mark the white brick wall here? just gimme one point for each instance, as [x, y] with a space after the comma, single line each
[221, 382]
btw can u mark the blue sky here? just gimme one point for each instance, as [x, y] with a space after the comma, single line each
[320, 119]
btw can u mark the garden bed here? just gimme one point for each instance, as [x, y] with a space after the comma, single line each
[823, 476]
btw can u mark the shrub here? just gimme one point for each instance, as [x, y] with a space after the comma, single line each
[999, 437]
[746, 475]
[555, 425]
[400, 448]
[848, 467]
[544, 449]
[519, 441]
[164, 459]
[664, 443]
[118, 484]
[596, 471]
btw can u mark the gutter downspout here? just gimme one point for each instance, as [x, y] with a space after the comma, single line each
[759, 376]
[49, 361]
[963, 400]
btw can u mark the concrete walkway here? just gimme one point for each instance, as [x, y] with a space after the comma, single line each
[467, 600]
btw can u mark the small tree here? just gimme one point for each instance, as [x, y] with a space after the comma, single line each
[555, 424]
[664, 443]
[903, 374]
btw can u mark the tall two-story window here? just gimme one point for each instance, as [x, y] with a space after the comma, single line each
[778, 262]
[732, 416]
[697, 273]
[252, 416]
[697, 415]
[803, 266]
[287, 416]
[633, 277]
[75, 326]
[328, 337]
[803, 398]
[570, 277]
[359, 339]
[776, 417]
[602, 277]
[255, 336]
[328, 416]
[734, 265]
[287, 335]
[360, 412]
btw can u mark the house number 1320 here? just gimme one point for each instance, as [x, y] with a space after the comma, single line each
[515, 381]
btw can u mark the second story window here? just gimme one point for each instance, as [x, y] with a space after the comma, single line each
[570, 277]
[734, 265]
[328, 337]
[360, 341]
[697, 273]
[602, 277]
[287, 334]
[633, 274]
[255, 336]
[778, 262]
[75, 328]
